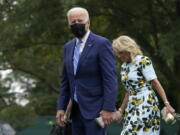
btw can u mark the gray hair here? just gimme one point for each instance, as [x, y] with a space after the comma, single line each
[80, 9]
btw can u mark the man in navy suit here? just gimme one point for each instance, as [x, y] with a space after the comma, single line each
[88, 78]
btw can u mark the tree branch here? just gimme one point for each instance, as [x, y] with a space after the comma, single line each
[28, 45]
[3, 68]
[1, 98]
[153, 22]
[178, 8]
[42, 79]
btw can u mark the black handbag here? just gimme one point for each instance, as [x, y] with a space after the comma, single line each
[58, 130]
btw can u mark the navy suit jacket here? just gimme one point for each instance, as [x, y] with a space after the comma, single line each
[95, 79]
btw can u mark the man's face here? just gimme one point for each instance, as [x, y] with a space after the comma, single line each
[78, 17]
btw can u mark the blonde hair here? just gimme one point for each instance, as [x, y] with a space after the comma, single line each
[125, 43]
[78, 9]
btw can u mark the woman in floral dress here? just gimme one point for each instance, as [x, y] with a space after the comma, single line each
[140, 103]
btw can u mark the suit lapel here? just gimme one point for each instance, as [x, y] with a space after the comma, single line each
[87, 47]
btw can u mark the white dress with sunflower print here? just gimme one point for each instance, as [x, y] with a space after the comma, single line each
[142, 115]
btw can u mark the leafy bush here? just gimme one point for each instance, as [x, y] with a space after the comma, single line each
[18, 116]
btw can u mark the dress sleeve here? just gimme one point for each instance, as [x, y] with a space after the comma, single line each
[147, 68]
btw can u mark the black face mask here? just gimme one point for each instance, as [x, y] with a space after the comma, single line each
[78, 30]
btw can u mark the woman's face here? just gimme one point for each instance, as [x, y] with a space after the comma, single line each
[124, 56]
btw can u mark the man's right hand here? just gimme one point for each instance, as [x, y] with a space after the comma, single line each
[60, 117]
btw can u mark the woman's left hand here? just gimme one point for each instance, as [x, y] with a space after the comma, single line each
[117, 116]
[170, 109]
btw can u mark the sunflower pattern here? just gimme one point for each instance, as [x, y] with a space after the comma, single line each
[142, 115]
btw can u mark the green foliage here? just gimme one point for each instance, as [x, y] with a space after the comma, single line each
[31, 39]
[18, 116]
[44, 103]
[170, 43]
